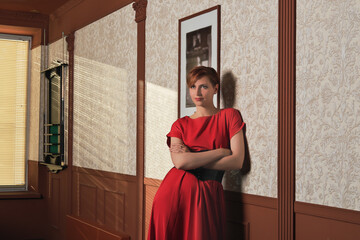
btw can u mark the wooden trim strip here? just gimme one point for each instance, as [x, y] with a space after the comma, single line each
[338, 214]
[20, 195]
[250, 199]
[70, 39]
[286, 121]
[152, 182]
[23, 19]
[140, 18]
[104, 174]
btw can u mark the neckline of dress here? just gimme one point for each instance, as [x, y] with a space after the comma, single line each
[205, 116]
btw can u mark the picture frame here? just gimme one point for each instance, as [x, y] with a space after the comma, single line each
[199, 44]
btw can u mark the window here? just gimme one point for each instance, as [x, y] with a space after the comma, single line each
[14, 75]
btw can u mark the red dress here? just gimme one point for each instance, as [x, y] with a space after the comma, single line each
[184, 207]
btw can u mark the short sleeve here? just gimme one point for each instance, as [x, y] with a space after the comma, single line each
[175, 131]
[235, 122]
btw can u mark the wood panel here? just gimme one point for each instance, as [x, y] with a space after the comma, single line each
[57, 201]
[80, 229]
[26, 212]
[87, 201]
[105, 198]
[323, 222]
[248, 216]
[114, 216]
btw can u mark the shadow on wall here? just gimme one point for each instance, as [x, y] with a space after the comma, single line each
[233, 179]
[228, 87]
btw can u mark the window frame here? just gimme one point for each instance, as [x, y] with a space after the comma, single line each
[22, 188]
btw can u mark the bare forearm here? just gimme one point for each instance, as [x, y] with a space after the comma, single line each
[192, 160]
[227, 163]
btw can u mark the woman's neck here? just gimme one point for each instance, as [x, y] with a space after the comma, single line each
[202, 112]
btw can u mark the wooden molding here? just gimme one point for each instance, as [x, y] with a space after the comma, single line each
[24, 19]
[24, 23]
[152, 182]
[70, 39]
[64, 9]
[140, 17]
[33, 176]
[140, 9]
[104, 174]
[286, 119]
[140, 125]
[338, 214]
[251, 199]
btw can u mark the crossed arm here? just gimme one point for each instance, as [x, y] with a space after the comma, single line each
[219, 159]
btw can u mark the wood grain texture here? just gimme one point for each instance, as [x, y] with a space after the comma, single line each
[314, 221]
[286, 119]
[105, 198]
[140, 18]
[81, 229]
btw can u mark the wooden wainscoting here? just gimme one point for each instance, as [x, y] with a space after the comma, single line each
[79, 229]
[322, 222]
[248, 216]
[105, 198]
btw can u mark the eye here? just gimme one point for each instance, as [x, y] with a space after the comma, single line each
[193, 86]
[204, 87]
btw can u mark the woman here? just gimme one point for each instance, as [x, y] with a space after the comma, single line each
[189, 204]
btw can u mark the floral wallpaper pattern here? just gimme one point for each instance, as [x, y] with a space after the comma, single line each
[328, 103]
[105, 93]
[249, 53]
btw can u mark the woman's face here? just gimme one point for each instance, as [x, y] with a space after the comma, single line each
[202, 92]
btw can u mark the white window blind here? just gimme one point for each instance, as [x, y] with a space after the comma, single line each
[13, 105]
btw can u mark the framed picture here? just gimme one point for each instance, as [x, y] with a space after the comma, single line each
[199, 45]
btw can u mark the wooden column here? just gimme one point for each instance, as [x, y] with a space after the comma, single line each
[286, 121]
[70, 39]
[140, 16]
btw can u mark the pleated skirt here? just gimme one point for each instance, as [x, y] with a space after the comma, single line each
[185, 208]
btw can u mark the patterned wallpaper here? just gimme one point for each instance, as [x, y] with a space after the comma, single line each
[105, 94]
[328, 103]
[249, 53]
[34, 104]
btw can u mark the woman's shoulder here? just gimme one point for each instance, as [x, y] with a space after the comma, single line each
[180, 121]
[231, 114]
[229, 110]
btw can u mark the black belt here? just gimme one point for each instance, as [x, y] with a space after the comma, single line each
[204, 174]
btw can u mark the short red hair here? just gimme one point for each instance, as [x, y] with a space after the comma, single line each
[199, 72]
